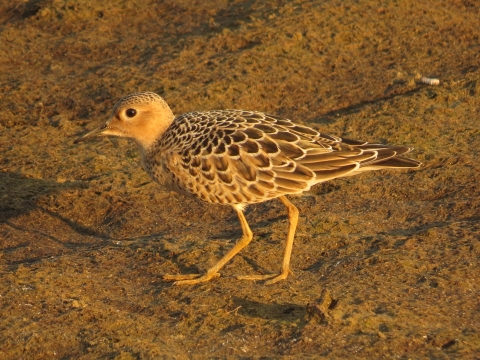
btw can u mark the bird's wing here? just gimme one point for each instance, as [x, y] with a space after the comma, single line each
[241, 157]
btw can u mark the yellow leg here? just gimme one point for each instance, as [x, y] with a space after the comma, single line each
[212, 273]
[293, 221]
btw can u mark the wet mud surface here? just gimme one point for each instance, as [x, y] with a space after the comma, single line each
[386, 264]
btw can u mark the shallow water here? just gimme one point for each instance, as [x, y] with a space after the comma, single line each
[385, 264]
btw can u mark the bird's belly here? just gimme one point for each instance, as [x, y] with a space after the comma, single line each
[159, 172]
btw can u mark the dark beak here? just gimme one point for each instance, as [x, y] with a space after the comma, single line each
[91, 134]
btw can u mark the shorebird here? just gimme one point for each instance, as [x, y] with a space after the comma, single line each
[238, 158]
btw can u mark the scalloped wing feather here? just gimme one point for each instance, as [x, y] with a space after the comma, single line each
[243, 157]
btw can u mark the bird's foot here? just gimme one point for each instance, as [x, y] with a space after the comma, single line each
[190, 279]
[273, 277]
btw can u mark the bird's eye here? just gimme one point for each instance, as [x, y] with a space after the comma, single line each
[131, 112]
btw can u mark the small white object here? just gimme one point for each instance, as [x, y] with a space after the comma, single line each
[429, 81]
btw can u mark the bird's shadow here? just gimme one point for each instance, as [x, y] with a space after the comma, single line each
[20, 196]
[19, 193]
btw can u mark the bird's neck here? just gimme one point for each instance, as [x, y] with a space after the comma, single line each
[148, 135]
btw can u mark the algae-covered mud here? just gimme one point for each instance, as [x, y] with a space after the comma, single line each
[385, 264]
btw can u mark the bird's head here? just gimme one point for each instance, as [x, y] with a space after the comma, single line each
[143, 117]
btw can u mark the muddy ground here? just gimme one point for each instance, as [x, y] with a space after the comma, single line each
[386, 264]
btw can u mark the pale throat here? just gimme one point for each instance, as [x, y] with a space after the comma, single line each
[146, 136]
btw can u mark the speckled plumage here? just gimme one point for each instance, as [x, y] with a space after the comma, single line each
[243, 157]
[238, 157]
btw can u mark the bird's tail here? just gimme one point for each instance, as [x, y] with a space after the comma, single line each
[388, 157]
